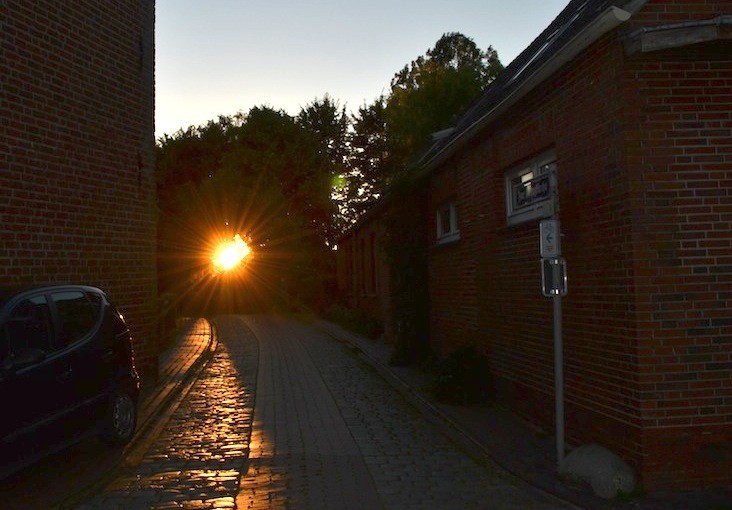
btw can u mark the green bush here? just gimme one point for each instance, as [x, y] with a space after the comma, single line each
[463, 377]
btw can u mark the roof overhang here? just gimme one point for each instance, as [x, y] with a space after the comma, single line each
[677, 35]
[606, 21]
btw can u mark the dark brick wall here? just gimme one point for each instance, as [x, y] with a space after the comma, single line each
[363, 273]
[679, 161]
[644, 152]
[76, 83]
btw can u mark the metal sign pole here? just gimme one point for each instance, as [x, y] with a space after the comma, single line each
[554, 282]
[558, 378]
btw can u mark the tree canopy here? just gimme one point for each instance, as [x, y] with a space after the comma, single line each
[290, 185]
[425, 96]
[261, 175]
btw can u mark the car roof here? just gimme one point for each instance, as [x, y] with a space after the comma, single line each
[8, 291]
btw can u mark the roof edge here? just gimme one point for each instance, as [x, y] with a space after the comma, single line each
[676, 35]
[606, 21]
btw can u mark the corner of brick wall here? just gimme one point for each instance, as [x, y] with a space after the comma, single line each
[77, 177]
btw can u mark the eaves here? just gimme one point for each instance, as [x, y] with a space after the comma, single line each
[521, 83]
[676, 35]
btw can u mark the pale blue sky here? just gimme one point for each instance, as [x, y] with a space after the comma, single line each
[219, 57]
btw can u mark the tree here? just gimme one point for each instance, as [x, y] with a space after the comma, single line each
[265, 176]
[428, 94]
[192, 155]
[425, 97]
[368, 159]
[328, 121]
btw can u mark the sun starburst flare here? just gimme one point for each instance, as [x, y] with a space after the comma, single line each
[230, 254]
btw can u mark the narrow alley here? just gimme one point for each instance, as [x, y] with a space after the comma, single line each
[283, 416]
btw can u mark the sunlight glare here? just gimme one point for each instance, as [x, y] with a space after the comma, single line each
[229, 254]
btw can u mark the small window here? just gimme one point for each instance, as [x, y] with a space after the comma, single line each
[447, 225]
[530, 190]
[78, 316]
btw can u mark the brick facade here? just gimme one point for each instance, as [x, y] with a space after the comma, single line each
[363, 272]
[643, 146]
[644, 156]
[76, 83]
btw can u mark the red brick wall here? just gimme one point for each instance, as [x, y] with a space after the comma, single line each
[656, 12]
[680, 160]
[363, 272]
[452, 266]
[76, 84]
[644, 155]
[575, 115]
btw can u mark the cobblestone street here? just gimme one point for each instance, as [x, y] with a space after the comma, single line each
[197, 461]
[326, 432]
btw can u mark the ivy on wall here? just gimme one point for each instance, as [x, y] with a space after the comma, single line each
[405, 246]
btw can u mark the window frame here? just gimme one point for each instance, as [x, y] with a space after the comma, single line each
[542, 167]
[453, 233]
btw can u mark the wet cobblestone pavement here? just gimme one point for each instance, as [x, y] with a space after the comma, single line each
[198, 459]
[326, 432]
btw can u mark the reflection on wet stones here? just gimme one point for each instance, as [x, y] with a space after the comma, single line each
[197, 460]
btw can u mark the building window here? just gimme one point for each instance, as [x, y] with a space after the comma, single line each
[531, 189]
[447, 226]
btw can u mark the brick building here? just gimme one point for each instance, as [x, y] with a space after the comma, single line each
[76, 145]
[362, 272]
[616, 120]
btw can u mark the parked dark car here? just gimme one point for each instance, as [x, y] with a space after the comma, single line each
[66, 367]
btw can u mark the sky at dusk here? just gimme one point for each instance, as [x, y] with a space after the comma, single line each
[219, 57]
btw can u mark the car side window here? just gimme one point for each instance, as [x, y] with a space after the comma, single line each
[77, 315]
[28, 328]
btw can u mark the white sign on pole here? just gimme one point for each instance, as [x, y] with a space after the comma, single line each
[550, 246]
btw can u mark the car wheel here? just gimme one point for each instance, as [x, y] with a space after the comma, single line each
[119, 423]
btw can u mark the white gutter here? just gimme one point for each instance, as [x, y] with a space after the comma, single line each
[610, 19]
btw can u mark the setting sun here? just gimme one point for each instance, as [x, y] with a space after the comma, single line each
[229, 254]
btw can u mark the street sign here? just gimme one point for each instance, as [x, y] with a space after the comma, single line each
[550, 246]
[554, 277]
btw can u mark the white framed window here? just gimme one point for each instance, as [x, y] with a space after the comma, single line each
[447, 226]
[531, 189]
